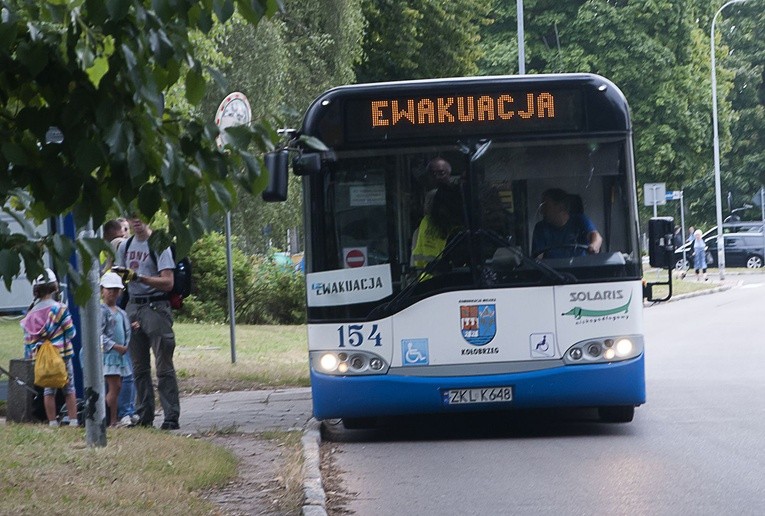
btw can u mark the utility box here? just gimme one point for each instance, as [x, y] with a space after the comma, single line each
[22, 405]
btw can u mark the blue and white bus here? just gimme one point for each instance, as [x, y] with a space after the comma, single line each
[485, 325]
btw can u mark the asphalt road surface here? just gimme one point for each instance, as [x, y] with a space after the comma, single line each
[696, 447]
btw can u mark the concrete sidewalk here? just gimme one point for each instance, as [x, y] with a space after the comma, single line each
[246, 411]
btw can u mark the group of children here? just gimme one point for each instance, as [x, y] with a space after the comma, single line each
[49, 319]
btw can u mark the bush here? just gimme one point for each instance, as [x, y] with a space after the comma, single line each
[277, 297]
[264, 292]
[209, 299]
[196, 310]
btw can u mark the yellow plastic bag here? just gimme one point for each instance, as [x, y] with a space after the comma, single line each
[50, 370]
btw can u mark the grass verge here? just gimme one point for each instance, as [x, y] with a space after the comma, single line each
[291, 470]
[266, 356]
[50, 470]
[680, 286]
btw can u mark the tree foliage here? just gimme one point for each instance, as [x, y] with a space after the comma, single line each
[84, 126]
[421, 39]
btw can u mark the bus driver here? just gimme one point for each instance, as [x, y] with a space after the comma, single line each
[563, 232]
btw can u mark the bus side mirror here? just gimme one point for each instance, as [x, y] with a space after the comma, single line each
[661, 246]
[661, 253]
[276, 164]
[307, 164]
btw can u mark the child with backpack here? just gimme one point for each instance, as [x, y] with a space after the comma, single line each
[48, 319]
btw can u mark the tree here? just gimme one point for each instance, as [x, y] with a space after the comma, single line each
[85, 129]
[421, 39]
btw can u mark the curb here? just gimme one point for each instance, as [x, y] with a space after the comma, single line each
[314, 498]
[680, 297]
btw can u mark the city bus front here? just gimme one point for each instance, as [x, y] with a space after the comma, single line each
[483, 268]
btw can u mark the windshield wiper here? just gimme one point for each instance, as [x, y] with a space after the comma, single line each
[426, 273]
[546, 270]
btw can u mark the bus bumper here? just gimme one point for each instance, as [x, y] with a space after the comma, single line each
[591, 385]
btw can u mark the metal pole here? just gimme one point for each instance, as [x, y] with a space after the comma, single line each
[230, 285]
[93, 367]
[655, 200]
[521, 38]
[682, 228]
[716, 145]
[762, 208]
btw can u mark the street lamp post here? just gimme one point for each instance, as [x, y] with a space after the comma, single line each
[716, 145]
[521, 39]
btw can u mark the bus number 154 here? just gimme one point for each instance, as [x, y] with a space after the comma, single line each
[353, 335]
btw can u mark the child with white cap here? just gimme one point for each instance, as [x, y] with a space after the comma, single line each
[115, 336]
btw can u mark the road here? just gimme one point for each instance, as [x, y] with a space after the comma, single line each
[696, 446]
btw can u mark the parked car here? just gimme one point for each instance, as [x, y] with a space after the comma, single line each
[744, 246]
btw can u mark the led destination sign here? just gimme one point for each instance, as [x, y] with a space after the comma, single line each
[484, 113]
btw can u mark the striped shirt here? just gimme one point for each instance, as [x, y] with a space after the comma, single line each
[48, 320]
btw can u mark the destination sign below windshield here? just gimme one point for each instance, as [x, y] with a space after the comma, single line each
[469, 113]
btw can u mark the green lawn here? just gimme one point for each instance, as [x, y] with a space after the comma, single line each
[141, 471]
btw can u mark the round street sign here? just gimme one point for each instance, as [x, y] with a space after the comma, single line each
[355, 258]
[234, 110]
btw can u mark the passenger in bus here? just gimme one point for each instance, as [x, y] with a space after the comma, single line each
[438, 172]
[436, 227]
[563, 231]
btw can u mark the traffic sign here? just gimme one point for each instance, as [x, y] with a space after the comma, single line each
[233, 110]
[654, 194]
[355, 257]
[673, 195]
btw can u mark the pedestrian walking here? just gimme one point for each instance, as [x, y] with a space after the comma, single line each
[699, 255]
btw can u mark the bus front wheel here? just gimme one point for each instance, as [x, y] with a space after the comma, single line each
[617, 414]
[359, 423]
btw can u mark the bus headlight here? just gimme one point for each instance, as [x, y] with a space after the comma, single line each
[624, 347]
[328, 362]
[610, 349]
[342, 363]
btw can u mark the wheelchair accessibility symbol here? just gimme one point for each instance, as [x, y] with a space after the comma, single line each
[414, 352]
[542, 345]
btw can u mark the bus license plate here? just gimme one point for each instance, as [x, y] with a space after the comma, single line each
[480, 395]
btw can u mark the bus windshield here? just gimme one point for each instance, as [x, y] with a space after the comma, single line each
[487, 207]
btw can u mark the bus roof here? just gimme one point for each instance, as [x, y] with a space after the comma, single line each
[385, 113]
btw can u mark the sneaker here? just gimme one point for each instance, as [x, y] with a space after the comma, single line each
[170, 425]
[134, 419]
[125, 422]
[53, 423]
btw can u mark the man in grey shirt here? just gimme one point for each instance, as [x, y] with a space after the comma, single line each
[150, 279]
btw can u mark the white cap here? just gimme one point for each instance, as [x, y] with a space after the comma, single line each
[111, 280]
[46, 277]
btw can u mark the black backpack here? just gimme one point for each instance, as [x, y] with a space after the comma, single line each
[181, 276]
